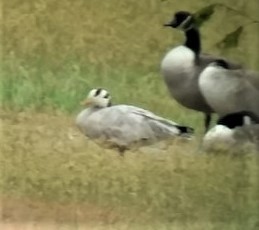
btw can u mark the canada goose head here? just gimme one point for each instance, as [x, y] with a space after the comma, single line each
[220, 63]
[182, 20]
[98, 98]
[238, 119]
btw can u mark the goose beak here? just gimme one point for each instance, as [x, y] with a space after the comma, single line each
[167, 24]
[171, 24]
[86, 102]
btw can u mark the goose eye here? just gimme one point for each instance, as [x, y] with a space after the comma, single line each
[106, 96]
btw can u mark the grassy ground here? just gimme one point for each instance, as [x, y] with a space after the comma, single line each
[52, 54]
[47, 165]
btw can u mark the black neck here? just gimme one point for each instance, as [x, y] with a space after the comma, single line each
[193, 40]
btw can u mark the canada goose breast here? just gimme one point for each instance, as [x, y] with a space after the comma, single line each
[218, 88]
[176, 61]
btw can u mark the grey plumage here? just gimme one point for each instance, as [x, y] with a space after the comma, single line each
[229, 91]
[125, 125]
[182, 65]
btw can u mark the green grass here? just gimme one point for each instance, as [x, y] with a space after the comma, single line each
[52, 54]
[65, 90]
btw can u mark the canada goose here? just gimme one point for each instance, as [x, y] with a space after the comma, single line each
[227, 90]
[233, 131]
[183, 64]
[124, 125]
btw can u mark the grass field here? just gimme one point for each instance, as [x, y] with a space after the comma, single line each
[51, 173]
[53, 52]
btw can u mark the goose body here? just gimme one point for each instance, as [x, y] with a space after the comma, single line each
[181, 75]
[233, 132]
[228, 91]
[126, 125]
[183, 64]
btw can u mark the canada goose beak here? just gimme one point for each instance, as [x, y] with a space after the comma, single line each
[171, 24]
[167, 24]
[86, 102]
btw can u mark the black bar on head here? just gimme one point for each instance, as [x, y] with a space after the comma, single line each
[98, 91]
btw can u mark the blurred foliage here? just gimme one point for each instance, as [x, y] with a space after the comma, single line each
[231, 40]
[204, 14]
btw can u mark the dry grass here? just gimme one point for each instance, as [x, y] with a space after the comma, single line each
[127, 34]
[47, 165]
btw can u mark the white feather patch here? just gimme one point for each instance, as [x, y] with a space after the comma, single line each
[219, 135]
[179, 57]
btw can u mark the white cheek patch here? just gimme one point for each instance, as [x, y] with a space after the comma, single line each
[103, 93]
[92, 93]
[247, 120]
[100, 102]
[182, 26]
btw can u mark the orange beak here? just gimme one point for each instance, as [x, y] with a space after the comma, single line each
[86, 102]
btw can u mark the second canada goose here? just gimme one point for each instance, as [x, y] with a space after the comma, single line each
[233, 131]
[228, 91]
[183, 64]
[124, 126]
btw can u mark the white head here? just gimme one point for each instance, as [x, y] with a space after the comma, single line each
[99, 98]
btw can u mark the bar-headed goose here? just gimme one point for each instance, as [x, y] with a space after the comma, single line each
[233, 131]
[183, 64]
[227, 90]
[124, 125]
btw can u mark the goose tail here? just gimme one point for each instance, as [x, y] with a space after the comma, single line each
[185, 130]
